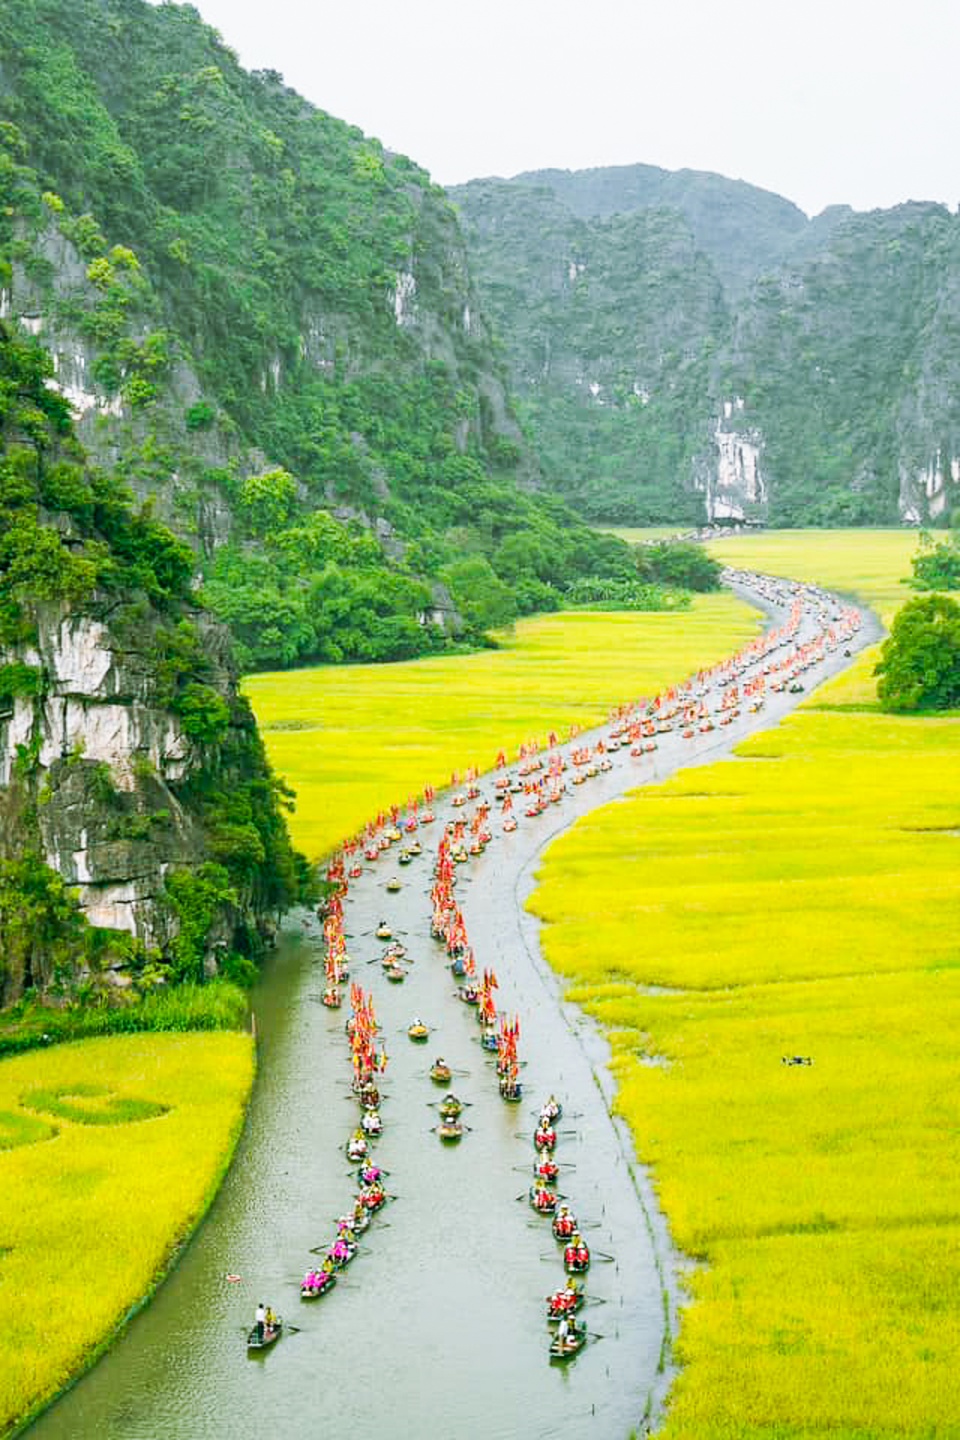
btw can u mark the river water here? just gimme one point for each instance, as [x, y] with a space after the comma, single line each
[437, 1329]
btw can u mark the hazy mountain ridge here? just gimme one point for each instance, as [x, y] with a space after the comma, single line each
[815, 386]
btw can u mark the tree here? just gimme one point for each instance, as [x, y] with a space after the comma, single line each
[679, 562]
[919, 664]
[937, 567]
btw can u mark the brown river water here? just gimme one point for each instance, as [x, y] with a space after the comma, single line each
[437, 1329]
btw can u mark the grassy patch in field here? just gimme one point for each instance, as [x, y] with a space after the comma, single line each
[800, 902]
[97, 1200]
[353, 740]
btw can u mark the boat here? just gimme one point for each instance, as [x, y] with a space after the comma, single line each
[371, 1197]
[418, 1032]
[403, 858]
[550, 1109]
[546, 1168]
[576, 1257]
[510, 1090]
[316, 1283]
[440, 1072]
[450, 1107]
[568, 1346]
[543, 1200]
[393, 885]
[357, 1146]
[564, 1224]
[341, 1252]
[488, 1040]
[383, 931]
[545, 1138]
[469, 994]
[450, 1130]
[395, 973]
[565, 1301]
[262, 1340]
[332, 998]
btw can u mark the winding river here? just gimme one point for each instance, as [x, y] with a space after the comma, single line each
[437, 1328]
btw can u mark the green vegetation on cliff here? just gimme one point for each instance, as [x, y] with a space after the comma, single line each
[73, 548]
[688, 346]
[272, 322]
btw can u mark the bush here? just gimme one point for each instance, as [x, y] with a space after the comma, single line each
[937, 567]
[919, 664]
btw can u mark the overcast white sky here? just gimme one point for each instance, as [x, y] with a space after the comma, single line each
[823, 101]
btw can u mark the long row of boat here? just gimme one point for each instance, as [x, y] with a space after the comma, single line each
[540, 779]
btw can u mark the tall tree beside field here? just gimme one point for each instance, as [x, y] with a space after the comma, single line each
[919, 665]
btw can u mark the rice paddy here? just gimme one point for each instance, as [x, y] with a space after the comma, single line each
[773, 952]
[110, 1151]
[354, 740]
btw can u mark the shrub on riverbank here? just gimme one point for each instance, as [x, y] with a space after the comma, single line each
[799, 905]
[120, 1144]
[218, 1005]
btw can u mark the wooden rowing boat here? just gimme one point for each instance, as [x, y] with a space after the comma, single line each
[262, 1341]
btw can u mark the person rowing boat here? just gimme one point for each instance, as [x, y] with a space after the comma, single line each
[576, 1256]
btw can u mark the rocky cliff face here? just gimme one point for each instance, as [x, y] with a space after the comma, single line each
[106, 762]
[130, 768]
[778, 369]
[261, 316]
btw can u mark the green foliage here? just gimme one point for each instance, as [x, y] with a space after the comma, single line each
[42, 931]
[937, 567]
[20, 680]
[200, 416]
[485, 602]
[266, 243]
[196, 897]
[267, 501]
[217, 1005]
[679, 563]
[204, 714]
[919, 664]
[606, 594]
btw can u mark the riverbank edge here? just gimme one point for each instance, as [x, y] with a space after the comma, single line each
[673, 1264]
[177, 1248]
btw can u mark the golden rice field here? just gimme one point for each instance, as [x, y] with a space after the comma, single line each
[353, 740]
[110, 1151]
[798, 901]
[868, 563]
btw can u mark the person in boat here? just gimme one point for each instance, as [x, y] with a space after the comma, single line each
[576, 1252]
[260, 1320]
